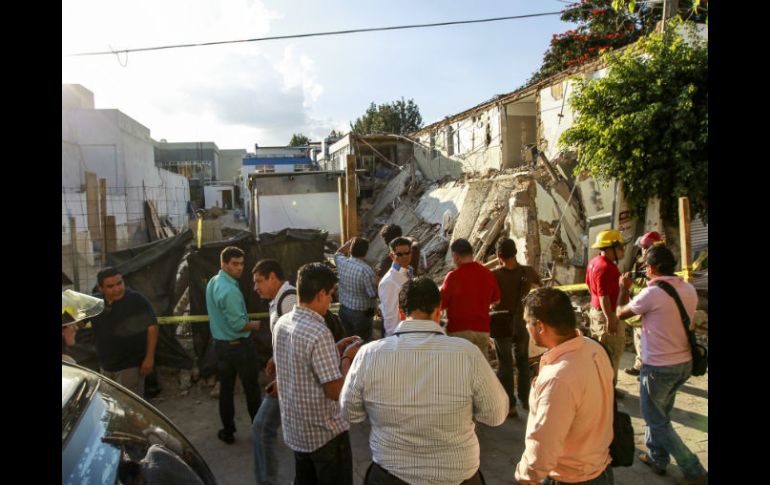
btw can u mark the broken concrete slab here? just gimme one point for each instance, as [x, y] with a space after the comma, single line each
[440, 198]
[388, 196]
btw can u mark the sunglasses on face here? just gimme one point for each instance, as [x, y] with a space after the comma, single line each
[403, 254]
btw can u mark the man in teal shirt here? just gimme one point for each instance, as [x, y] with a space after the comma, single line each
[231, 328]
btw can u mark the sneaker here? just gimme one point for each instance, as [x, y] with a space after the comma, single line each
[226, 437]
[701, 480]
[647, 460]
[632, 371]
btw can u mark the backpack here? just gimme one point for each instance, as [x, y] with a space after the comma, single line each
[290, 291]
[700, 355]
[622, 447]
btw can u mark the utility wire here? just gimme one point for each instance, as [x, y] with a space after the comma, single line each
[316, 34]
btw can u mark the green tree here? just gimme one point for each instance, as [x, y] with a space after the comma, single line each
[646, 123]
[299, 140]
[398, 117]
[605, 25]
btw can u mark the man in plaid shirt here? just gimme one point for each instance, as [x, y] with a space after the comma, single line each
[310, 371]
[357, 288]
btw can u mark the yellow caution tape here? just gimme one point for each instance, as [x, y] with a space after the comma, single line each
[571, 288]
[205, 318]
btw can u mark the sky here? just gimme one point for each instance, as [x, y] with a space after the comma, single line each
[237, 95]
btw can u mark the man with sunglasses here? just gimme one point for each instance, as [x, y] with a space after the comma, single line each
[399, 273]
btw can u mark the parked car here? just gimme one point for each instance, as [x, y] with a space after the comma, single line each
[112, 436]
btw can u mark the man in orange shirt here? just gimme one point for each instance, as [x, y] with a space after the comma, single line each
[569, 427]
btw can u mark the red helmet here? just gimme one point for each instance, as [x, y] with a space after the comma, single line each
[649, 239]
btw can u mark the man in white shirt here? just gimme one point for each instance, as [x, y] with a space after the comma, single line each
[422, 391]
[390, 285]
[270, 284]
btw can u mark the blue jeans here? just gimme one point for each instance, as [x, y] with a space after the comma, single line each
[658, 387]
[264, 434]
[605, 478]
[331, 464]
[357, 322]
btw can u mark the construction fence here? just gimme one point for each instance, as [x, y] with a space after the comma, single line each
[97, 219]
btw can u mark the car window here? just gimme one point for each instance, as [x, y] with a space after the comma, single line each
[114, 437]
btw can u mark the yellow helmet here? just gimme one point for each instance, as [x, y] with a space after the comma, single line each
[76, 307]
[608, 238]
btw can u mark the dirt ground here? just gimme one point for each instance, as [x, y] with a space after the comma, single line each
[195, 412]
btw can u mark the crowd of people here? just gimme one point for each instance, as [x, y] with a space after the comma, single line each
[428, 380]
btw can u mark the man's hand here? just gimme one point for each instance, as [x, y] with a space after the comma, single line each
[253, 326]
[272, 389]
[270, 368]
[352, 349]
[626, 281]
[342, 344]
[612, 324]
[147, 365]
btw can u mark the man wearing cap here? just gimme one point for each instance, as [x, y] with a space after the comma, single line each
[644, 242]
[603, 280]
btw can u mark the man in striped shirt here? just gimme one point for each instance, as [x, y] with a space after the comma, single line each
[421, 391]
[357, 288]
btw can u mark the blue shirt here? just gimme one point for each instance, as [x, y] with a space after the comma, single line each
[357, 290]
[226, 308]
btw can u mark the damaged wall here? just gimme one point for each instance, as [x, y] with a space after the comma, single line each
[471, 144]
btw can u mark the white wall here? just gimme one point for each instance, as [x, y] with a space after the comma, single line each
[554, 100]
[213, 194]
[304, 211]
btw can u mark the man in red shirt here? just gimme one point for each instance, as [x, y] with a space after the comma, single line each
[466, 294]
[603, 280]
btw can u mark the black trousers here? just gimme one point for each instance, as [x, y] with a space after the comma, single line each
[236, 359]
[376, 475]
[331, 464]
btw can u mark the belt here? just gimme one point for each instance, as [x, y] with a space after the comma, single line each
[232, 342]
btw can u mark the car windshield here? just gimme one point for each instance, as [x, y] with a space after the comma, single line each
[110, 436]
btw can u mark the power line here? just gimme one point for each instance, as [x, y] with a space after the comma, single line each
[315, 34]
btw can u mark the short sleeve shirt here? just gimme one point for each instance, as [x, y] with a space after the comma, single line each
[603, 279]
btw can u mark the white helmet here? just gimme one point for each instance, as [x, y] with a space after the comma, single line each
[76, 307]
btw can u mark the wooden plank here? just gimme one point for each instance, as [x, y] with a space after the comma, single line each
[92, 206]
[343, 215]
[685, 247]
[352, 210]
[74, 244]
[112, 234]
[103, 216]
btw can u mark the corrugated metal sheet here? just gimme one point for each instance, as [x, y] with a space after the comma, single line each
[699, 236]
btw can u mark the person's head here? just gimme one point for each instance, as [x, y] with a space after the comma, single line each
[231, 261]
[268, 278]
[611, 244]
[549, 316]
[648, 240]
[359, 247]
[389, 232]
[76, 309]
[505, 250]
[462, 251]
[315, 286]
[401, 251]
[420, 299]
[110, 283]
[660, 261]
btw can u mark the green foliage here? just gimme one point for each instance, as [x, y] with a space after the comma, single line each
[646, 123]
[299, 140]
[606, 25]
[398, 117]
[336, 134]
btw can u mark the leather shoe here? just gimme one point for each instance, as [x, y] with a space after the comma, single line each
[647, 460]
[226, 437]
[632, 371]
[512, 413]
[701, 480]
